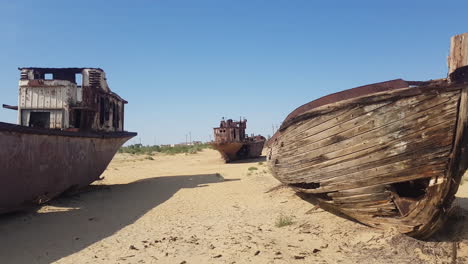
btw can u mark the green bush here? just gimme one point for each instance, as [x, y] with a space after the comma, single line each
[284, 221]
[139, 149]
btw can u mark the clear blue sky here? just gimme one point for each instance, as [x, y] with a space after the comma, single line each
[183, 65]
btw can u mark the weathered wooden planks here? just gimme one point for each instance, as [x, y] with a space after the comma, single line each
[458, 52]
[390, 154]
[355, 157]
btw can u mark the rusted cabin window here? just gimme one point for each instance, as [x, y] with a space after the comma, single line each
[39, 119]
[77, 118]
[48, 76]
[115, 115]
[107, 107]
[101, 111]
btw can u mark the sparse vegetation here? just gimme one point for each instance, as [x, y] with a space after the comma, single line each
[149, 158]
[139, 149]
[260, 163]
[284, 220]
[252, 169]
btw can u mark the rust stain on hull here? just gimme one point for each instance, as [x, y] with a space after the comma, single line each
[233, 143]
[70, 126]
[38, 165]
[228, 150]
[238, 151]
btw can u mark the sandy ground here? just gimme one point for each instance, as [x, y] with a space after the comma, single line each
[196, 209]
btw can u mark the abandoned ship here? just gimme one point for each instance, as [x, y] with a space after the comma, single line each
[390, 154]
[70, 125]
[232, 142]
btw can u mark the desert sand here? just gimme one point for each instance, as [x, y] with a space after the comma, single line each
[196, 209]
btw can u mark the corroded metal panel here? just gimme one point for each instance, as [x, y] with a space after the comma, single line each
[38, 164]
[89, 105]
[233, 144]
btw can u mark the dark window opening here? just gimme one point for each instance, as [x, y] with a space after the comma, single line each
[77, 118]
[415, 189]
[115, 116]
[107, 107]
[48, 76]
[101, 111]
[39, 119]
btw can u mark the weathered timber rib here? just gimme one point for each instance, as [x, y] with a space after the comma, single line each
[392, 158]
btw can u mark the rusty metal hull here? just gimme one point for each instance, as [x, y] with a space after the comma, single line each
[255, 149]
[36, 165]
[239, 150]
[228, 150]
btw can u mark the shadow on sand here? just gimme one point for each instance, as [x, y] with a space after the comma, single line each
[454, 230]
[311, 199]
[95, 215]
[259, 159]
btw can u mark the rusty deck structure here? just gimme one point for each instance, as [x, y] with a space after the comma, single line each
[70, 125]
[233, 143]
[390, 155]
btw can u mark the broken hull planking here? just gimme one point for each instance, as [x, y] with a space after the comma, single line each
[39, 164]
[393, 158]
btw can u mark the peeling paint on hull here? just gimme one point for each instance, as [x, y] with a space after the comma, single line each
[39, 164]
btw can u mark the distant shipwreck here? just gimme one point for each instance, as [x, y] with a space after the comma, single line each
[70, 125]
[390, 154]
[232, 142]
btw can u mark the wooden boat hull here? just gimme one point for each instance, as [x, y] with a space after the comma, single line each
[36, 165]
[239, 150]
[390, 155]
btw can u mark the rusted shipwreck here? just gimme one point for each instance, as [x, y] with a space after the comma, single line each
[70, 125]
[390, 155]
[232, 142]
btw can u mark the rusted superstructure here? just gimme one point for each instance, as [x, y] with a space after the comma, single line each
[76, 99]
[70, 125]
[390, 154]
[232, 142]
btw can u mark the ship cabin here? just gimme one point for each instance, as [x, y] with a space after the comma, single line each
[73, 99]
[230, 131]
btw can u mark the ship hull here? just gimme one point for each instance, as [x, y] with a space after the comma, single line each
[239, 151]
[39, 164]
[389, 155]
